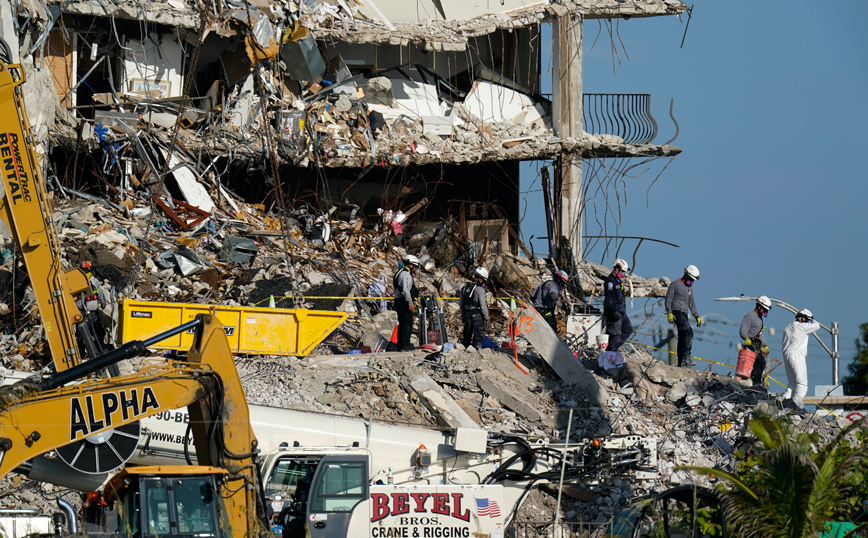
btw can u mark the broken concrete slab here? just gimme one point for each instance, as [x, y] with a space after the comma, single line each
[438, 401]
[553, 350]
[470, 409]
[507, 398]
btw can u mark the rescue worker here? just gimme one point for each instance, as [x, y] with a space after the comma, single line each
[474, 310]
[547, 296]
[618, 325]
[97, 297]
[679, 298]
[751, 331]
[406, 294]
[795, 349]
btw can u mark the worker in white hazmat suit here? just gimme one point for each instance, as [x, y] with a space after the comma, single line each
[795, 348]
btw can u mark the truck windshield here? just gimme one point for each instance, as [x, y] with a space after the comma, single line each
[178, 507]
[290, 478]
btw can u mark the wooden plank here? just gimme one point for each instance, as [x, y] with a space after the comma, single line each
[518, 241]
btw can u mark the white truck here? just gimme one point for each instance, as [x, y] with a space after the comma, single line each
[342, 476]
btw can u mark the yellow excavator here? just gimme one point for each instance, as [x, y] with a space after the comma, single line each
[219, 497]
[24, 207]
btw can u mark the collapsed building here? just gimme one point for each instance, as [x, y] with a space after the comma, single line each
[234, 152]
[333, 106]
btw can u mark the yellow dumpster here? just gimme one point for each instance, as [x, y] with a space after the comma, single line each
[267, 331]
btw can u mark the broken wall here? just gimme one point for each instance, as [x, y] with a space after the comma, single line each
[514, 55]
[154, 65]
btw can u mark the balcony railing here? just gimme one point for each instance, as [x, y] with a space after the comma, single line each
[627, 115]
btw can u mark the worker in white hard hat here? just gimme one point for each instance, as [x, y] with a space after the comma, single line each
[547, 296]
[474, 310]
[679, 299]
[795, 349]
[618, 325]
[751, 331]
[406, 294]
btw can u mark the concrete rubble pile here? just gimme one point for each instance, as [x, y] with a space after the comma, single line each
[244, 258]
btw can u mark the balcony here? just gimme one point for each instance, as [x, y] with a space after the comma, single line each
[627, 115]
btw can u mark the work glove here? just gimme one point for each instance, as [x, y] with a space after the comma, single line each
[670, 317]
[699, 321]
[485, 324]
[747, 342]
[765, 351]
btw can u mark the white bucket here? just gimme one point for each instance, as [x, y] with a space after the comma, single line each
[602, 341]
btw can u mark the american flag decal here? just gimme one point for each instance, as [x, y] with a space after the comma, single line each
[484, 507]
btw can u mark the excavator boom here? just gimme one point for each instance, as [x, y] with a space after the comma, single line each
[25, 210]
[40, 417]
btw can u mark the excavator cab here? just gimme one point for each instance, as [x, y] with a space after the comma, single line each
[165, 501]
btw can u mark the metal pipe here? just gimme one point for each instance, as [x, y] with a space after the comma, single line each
[126, 351]
[72, 522]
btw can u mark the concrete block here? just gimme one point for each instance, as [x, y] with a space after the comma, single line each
[678, 391]
[437, 401]
[507, 398]
[558, 355]
[470, 409]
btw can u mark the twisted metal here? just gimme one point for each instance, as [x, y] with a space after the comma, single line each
[627, 115]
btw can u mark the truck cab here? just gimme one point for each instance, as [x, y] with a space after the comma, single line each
[322, 488]
[166, 501]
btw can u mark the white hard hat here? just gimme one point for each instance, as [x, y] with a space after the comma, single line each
[409, 259]
[562, 275]
[764, 302]
[481, 272]
[623, 264]
[692, 271]
[807, 313]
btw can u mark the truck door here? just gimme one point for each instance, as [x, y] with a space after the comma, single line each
[339, 484]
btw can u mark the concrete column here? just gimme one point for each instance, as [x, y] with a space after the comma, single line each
[567, 122]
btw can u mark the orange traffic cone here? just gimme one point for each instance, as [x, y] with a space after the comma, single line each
[393, 342]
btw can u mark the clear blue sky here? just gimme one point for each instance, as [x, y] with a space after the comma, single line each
[769, 194]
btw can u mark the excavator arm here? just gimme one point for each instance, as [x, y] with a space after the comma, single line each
[39, 417]
[25, 210]
[46, 421]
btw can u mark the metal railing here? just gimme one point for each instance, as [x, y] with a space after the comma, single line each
[627, 115]
[528, 529]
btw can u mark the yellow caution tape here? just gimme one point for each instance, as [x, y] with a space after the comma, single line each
[692, 356]
[730, 366]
